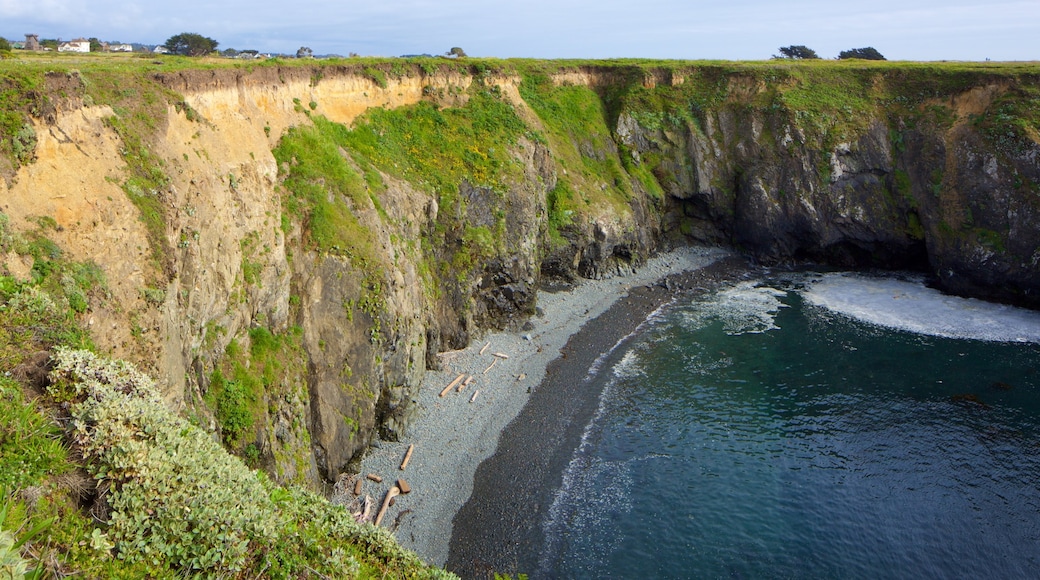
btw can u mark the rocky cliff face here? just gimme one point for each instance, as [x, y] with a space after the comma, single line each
[298, 346]
[933, 187]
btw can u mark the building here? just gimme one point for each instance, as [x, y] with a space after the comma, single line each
[78, 45]
[32, 42]
[120, 48]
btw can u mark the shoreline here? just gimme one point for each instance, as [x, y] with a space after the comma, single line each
[454, 437]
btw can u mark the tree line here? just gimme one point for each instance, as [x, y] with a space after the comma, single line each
[800, 52]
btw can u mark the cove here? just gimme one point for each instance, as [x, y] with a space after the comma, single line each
[775, 429]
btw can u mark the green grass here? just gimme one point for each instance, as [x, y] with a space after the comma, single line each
[437, 149]
[323, 191]
[577, 122]
[31, 447]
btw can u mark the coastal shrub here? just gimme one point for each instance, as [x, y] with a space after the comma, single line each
[176, 496]
[180, 504]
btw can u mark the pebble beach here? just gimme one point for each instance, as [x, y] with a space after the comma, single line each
[454, 433]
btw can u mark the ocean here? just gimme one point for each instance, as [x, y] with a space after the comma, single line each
[809, 425]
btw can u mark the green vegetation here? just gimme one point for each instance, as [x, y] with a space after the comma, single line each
[240, 385]
[867, 53]
[577, 124]
[437, 149]
[324, 191]
[797, 52]
[30, 442]
[181, 505]
[190, 44]
[40, 312]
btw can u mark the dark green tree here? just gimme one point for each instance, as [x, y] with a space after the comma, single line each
[95, 44]
[4, 45]
[797, 52]
[868, 53]
[456, 52]
[304, 52]
[190, 44]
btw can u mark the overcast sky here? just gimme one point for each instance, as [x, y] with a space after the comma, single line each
[682, 29]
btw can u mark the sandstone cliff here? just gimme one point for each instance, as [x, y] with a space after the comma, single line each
[288, 247]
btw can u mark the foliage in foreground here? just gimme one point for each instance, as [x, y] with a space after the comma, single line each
[179, 503]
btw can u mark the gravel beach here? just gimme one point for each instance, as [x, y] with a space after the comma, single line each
[455, 433]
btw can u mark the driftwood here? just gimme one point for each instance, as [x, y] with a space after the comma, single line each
[489, 366]
[357, 487]
[464, 384]
[375, 478]
[364, 510]
[449, 353]
[403, 486]
[500, 355]
[485, 348]
[394, 492]
[407, 457]
[474, 397]
[452, 384]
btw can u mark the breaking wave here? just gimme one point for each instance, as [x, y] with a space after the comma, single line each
[911, 306]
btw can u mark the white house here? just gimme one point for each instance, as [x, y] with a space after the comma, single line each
[120, 48]
[78, 45]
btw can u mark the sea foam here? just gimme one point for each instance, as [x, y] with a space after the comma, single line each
[742, 309]
[911, 306]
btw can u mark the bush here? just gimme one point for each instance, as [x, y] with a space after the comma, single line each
[868, 53]
[797, 52]
[179, 503]
[176, 496]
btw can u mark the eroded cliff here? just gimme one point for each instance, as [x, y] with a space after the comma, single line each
[287, 247]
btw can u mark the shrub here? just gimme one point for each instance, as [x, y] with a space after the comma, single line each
[179, 503]
[176, 496]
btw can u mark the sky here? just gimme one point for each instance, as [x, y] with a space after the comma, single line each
[671, 29]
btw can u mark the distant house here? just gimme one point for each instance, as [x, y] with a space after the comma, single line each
[161, 50]
[78, 45]
[32, 42]
[120, 48]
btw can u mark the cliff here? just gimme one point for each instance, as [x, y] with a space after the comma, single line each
[286, 247]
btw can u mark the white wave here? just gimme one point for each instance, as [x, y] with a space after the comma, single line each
[746, 308]
[911, 306]
[630, 366]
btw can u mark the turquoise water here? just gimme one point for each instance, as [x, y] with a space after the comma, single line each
[762, 433]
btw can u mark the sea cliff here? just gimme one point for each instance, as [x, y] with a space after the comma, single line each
[286, 247]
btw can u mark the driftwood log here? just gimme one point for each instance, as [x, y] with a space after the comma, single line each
[391, 494]
[407, 457]
[452, 384]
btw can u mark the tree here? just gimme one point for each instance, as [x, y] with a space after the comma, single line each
[304, 52]
[868, 53]
[797, 52]
[190, 44]
[456, 52]
[95, 44]
[4, 45]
